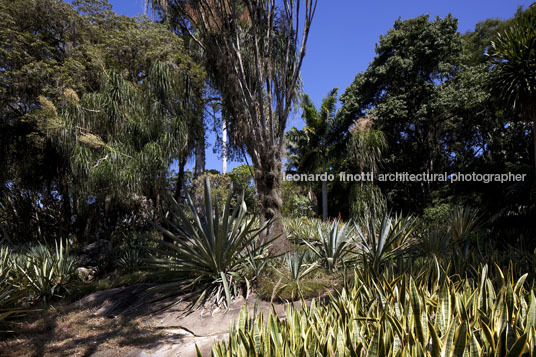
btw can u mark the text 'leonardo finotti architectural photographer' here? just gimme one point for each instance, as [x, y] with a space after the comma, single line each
[406, 177]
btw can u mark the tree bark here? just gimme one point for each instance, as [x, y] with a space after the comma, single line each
[224, 147]
[200, 155]
[180, 179]
[268, 183]
[324, 200]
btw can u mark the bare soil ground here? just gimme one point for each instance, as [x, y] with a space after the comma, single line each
[122, 322]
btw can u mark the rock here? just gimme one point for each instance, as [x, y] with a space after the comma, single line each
[85, 274]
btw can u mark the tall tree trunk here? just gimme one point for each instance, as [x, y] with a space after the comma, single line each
[268, 182]
[200, 154]
[180, 178]
[224, 147]
[324, 200]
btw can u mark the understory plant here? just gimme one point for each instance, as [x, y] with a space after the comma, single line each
[463, 222]
[384, 239]
[34, 275]
[292, 280]
[334, 248]
[399, 315]
[304, 228]
[456, 230]
[42, 272]
[207, 248]
[8, 294]
[132, 259]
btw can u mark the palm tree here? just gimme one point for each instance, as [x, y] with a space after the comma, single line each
[310, 148]
[514, 65]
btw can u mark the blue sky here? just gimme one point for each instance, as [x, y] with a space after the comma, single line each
[344, 33]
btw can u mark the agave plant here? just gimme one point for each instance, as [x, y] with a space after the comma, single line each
[296, 269]
[335, 247]
[5, 264]
[296, 266]
[208, 249]
[43, 273]
[9, 301]
[463, 222]
[435, 243]
[7, 298]
[6, 289]
[131, 259]
[381, 241]
[257, 257]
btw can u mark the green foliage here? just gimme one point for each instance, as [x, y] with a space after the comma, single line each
[464, 221]
[365, 200]
[291, 278]
[254, 65]
[477, 43]
[38, 37]
[399, 316]
[335, 248]
[219, 187]
[36, 274]
[44, 273]
[514, 66]
[366, 147]
[295, 263]
[400, 93]
[125, 136]
[444, 227]
[296, 202]
[8, 295]
[132, 259]
[437, 215]
[98, 107]
[311, 149]
[242, 176]
[514, 56]
[383, 239]
[257, 259]
[292, 283]
[304, 228]
[208, 249]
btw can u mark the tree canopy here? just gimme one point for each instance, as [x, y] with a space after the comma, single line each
[95, 108]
